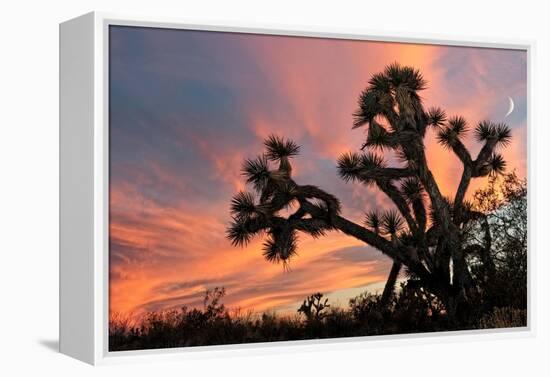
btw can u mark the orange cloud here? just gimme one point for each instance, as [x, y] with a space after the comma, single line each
[175, 245]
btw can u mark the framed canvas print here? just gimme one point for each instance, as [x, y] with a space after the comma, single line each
[228, 188]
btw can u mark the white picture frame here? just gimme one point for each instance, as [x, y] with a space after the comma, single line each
[84, 191]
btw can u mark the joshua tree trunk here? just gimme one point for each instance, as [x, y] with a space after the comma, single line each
[390, 283]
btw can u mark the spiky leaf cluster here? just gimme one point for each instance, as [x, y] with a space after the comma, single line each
[373, 221]
[277, 148]
[436, 117]
[412, 189]
[256, 172]
[351, 166]
[238, 232]
[243, 205]
[458, 125]
[455, 130]
[280, 245]
[397, 85]
[392, 222]
[315, 229]
[378, 137]
[497, 164]
[388, 223]
[403, 76]
[369, 107]
[500, 132]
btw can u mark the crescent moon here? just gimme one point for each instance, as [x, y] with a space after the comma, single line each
[510, 107]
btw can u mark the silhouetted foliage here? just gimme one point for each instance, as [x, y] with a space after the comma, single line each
[445, 244]
[314, 307]
[504, 272]
[410, 310]
[465, 263]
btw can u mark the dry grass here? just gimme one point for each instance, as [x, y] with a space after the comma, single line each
[504, 318]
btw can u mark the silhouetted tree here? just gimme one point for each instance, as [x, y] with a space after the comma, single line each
[504, 276]
[313, 307]
[424, 233]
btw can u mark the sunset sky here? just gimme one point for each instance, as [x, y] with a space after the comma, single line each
[186, 107]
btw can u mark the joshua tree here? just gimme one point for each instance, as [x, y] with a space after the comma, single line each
[424, 232]
[313, 307]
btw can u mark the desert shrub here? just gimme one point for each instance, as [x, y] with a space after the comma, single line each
[315, 310]
[339, 323]
[504, 318]
[314, 307]
[411, 309]
[368, 311]
[417, 310]
[120, 329]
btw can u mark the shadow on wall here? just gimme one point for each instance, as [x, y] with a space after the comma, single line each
[52, 345]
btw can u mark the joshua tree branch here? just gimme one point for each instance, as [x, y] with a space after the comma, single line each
[313, 192]
[306, 225]
[471, 169]
[355, 230]
[428, 181]
[461, 191]
[385, 173]
[461, 152]
[483, 157]
[398, 253]
[391, 191]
